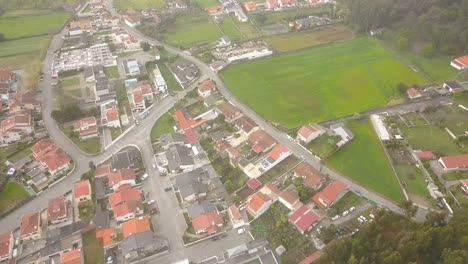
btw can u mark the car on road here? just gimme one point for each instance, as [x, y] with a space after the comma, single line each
[151, 201]
[214, 238]
[345, 213]
[352, 209]
[153, 208]
[240, 230]
[335, 217]
[154, 165]
[168, 189]
[144, 176]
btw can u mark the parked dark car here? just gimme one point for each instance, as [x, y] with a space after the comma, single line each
[168, 189]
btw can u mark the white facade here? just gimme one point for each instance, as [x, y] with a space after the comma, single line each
[250, 55]
[379, 127]
[159, 81]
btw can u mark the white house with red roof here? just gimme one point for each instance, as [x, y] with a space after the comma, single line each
[121, 177]
[275, 156]
[460, 63]
[308, 133]
[102, 171]
[236, 217]
[42, 146]
[207, 223]
[87, 128]
[250, 6]
[289, 198]
[132, 43]
[303, 218]
[6, 245]
[15, 128]
[132, 21]
[271, 4]
[126, 203]
[454, 162]
[206, 87]
[312, 178]
[55, 161]
[57, 210]
[464, 186]
[82, 192]
[24, 102]
[137, 101]
[333, 192]
[258, 203]
[110, 117]
[30, 228]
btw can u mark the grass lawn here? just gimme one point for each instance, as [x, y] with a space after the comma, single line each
[364, 161]
[454, 176]
[91, 146]
[297, 246]
[11, 195]
[70, 82]
[192, 30]
[461, 98]
[461, 197]
[30, 26]
[247, 29]
[20, 46]
[304, 39]
[24, 12]
[324, 145]
[172, 84]
[431, 138]
[453, 117]
[111, 72]
[163, 125]
[115, 133]
[93, 250]
[139, 4]
[229, 28]
[347, 201]
[206, 3]
[279, 169]
[319, 84]
[412, 178]
[18, 61]
[414, 119]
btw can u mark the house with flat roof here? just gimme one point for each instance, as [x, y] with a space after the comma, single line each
[159, 81]
[132, 68]
[200, 208]
[142, 244]
[192, 185]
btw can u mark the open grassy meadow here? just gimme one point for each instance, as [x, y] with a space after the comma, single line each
[320, 84]
[29, 26]
[164, 125]
[206, 3]
[229, 29]
[413, 179]
[305, 39]
[139, 4]
[192, 30]
[364, 161]
[431, 138]
[21, 46]
[11, 195]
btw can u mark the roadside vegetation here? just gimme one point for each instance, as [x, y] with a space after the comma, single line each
[12, 194]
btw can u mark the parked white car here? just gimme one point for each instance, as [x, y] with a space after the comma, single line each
[151, 202]
[345, 213]
[144, 176]
[240, 230]
[352, 209]
[335, 217]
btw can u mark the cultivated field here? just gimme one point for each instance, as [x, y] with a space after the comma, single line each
[305, 39]
[189, 31]
[229, 28]
[364, 161]
[29, 26]
[21, 46]
[319, 84]
[287, 16]
[139, 4]
[206, 3]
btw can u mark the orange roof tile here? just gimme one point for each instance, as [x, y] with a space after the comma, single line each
[256, 201]
[71, 257]
[206, 85]
[278, 151]
[455, 161]
[135, 226]
[116, 177]
[82, 188]
[329, 194]
[30, 223]
[312, 177]
[105, 236]
[206, 221]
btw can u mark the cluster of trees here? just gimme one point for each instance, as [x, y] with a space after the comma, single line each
[440, 24]
[72, 112]
[393, 239]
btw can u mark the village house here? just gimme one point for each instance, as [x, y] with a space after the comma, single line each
[7, 80]
[82, 192]
[342, 131]
[72, 257]
[254, 184]
[271, 4]
[289, 198]
[56, 161]
[303, 218]
[135, 226]
[258, 203]
[190, 186]
[24, 102]
[106, 236]
[312, 178]
[6, 245]
[137, 101]
[87, 128]
[132, 67]
[261, 141]
[142, 244]
[42, 147]
[413, 93]
[110, 117]
[126, 203]
[57, 210]
[464, 186]
[103, 171]
[159, 81]
[245, 125]
[250, 6]
[16, 127]
[308, 133]
[121, 177]
[460, 63]
[229, 111]
[453, 87]
[200, 208]
[207, 223]
[30, 228]
[248, 168]
[206, 87]
[333, 192]
[236, 217]
[91, 73]
[132, 21]
[454, 162]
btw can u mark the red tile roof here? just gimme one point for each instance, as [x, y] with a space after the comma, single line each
[206, 85]
[257, 200]
[278, 151]
[250, 6]
[289, 195]
[103, 171]
[56, 208]
[462, 60]
[412, 93]
[272, 188]
[312, 177]
[116, 177]
[16, 121]
[42, 146]
[222, 145]
[313, 257]
[425, 155]
[329, 194]
[191, 137]
[71, 257]
[5, 240]
[229, 110]
[307, 130]
[136, 226]
[82, 188]
[254, 184]
[216, 8]
[245, 123]
[455, 161]
[125, 200]
[272, 3]
[112, 114]
[182, 120]
[303, 218]
[137, 97]
[146, 89]
[105, 236]
[87, 126]
[55, 158]
[30, 223]
[261, 141]
[206, 221]
[5, 74]
[235, 212]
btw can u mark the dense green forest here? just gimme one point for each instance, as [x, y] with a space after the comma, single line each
[34, 4]
[433, 26]
[392, 239]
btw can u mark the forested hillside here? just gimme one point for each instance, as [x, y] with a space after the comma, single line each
[392, 239]
[432, 25]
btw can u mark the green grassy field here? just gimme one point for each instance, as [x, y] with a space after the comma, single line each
[364, 161]
[70, 82]
[347, 201]
[111, 72]
[413, 179]
[18, 61]
[24, 12]
[461, 98]
[206, 3]
[21, 46]
[189, 31]
[91, 146]
[304, 39]
[286, 16]
[324, 145]
[247, 29]
[163, 125]
[454, 176]
[11, 195]
[229, 28]
[319, 84]
[20, 27]
[93, 250]
[139, 4]
[431, 138]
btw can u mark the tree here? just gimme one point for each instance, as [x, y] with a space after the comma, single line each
[357, 116]
[145, 46]
[329, 233]
[87, 211]
[410, 209]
